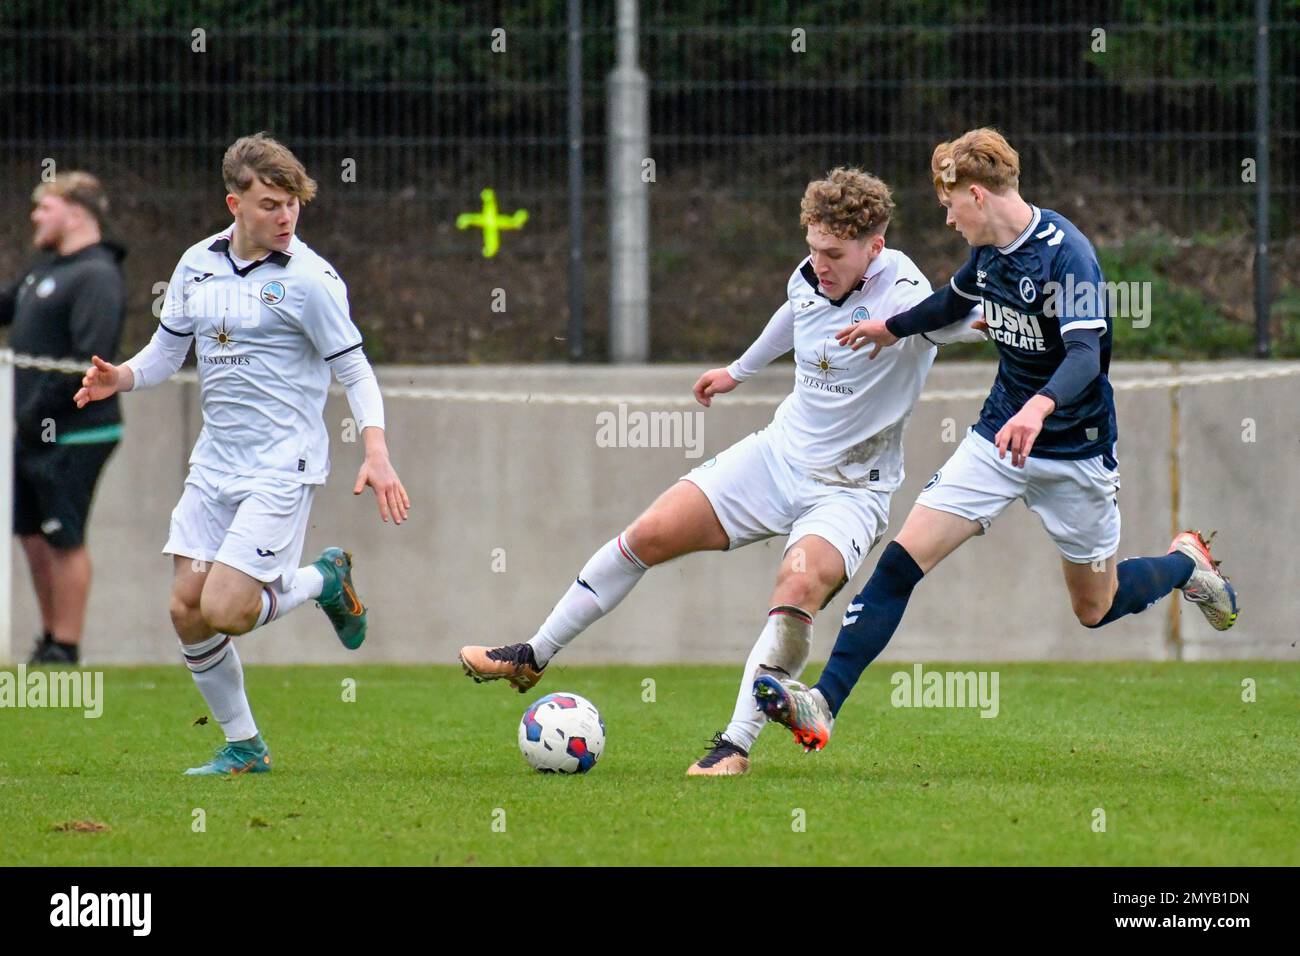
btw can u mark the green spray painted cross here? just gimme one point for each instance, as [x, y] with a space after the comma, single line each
[491, 222]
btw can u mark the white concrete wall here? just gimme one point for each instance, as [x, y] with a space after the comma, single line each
[531, 480]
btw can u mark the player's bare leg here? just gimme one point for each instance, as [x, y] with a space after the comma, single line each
[1092, 588]
[235, 602]
[1102, 592]
[812, 571]
[188, 577]
[231, 600]
[212, 660]
[680, 521]
[928, 536]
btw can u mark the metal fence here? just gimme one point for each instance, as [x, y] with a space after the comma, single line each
[1124, 112]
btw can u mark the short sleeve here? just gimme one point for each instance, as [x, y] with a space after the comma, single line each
[172, 316]
[906, 293]
[326, 318]
[1080, 300]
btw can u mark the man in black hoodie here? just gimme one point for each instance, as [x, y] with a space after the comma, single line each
[69, 305]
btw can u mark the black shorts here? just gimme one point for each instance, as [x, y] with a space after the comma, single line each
[53, 486]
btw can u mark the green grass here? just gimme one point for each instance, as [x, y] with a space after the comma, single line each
[411, 773]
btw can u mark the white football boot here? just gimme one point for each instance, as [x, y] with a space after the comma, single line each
[1207, 587]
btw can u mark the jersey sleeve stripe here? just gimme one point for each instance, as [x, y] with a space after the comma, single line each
[1083, 324]
[965, 295]
[179, 335]
[330, 358]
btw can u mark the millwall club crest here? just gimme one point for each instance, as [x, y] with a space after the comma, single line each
[860, 314]
[1027, 290]
[273, 292]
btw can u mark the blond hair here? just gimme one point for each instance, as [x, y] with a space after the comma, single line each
[848, 203]
[79, 187]
[982, 156]
[270, 161]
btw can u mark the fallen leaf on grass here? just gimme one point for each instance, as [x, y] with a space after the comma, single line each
[79, 826]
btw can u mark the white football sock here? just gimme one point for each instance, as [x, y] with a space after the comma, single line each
[602, 583]
[220, 678]
[785, 642]
[307, 583]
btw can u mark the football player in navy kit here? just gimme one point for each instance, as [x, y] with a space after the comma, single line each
[1046, 434]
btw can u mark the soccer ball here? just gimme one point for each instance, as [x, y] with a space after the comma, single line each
[562, 733]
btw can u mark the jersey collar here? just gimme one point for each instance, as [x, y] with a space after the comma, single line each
[873, 270]
[1019, 241]
[222, 245]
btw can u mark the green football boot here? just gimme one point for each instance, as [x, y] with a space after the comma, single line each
[241, 756]
[339, 600]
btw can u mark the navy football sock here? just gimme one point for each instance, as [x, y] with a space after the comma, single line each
[871, 620]
[1143, 581]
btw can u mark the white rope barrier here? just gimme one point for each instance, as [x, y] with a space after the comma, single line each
[1286, 370]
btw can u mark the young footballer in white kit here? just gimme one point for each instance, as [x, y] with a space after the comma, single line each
[821, 472]
[269, 321]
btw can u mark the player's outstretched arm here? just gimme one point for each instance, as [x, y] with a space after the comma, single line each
[152, 365]
[930, 314]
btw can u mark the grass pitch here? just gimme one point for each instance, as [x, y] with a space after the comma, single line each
[423, 769]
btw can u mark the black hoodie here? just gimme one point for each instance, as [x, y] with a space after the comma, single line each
[67, 307]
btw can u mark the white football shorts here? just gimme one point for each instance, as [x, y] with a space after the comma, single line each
[757, 494]
[255, 525]
[1077, 500]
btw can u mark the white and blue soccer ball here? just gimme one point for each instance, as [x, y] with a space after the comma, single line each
[562, 733]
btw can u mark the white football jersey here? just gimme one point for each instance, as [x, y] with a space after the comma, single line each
[843, 423]
[263, 334]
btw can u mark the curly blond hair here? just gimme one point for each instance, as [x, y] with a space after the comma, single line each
[848, 203]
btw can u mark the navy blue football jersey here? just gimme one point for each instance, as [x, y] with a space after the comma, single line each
[1044, 283]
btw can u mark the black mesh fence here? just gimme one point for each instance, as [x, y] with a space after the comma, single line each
[1127, 115]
